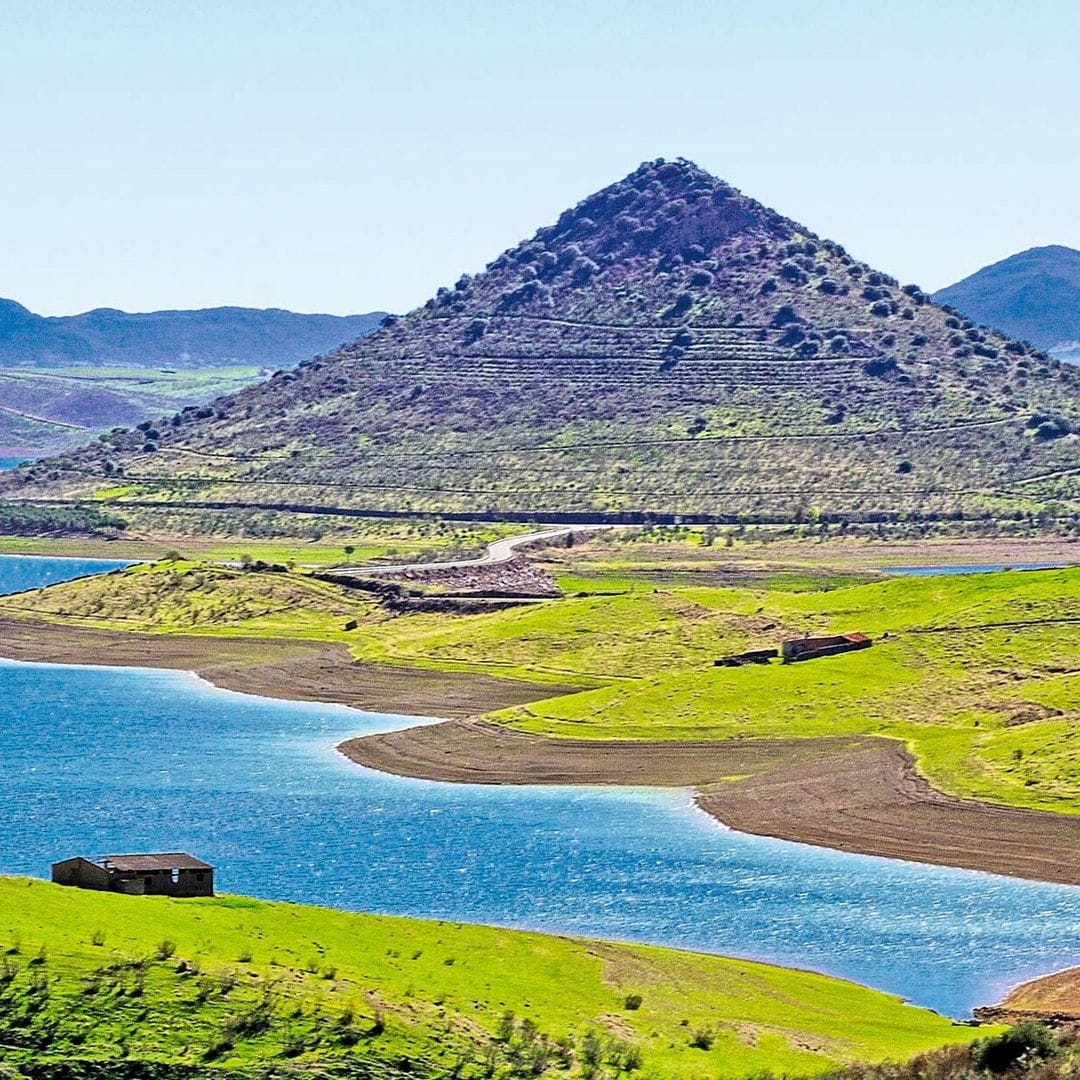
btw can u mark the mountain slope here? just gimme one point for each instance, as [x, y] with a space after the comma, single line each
[215, 336]
[45, 411]
[1033, 296]
[669, 346]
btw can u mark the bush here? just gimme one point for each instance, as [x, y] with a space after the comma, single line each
[475, 331]
[784, 317]
[683, 302]
[880, 365]
[1049, 427]
[793, 272]
[1028, 1041]
[633, 1002]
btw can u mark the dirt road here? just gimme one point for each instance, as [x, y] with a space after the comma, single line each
[498, 551]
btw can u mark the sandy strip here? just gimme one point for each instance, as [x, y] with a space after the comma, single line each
[860, 795]
[290, 669]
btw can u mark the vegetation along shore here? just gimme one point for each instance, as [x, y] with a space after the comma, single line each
[234, 985]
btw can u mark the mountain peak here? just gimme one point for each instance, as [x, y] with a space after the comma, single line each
[666, 346]
[662, 208]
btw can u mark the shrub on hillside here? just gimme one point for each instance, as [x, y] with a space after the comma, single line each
[880, 365]
[1025, 1043]
[683, 302]
[1049, 427]
[793, 272]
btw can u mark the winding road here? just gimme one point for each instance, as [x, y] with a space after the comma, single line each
[498, 551]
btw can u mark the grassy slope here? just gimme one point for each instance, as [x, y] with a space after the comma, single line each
[337, 543]
[313, 983]
[980, 674]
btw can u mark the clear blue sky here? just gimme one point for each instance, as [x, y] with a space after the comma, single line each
[332, 156]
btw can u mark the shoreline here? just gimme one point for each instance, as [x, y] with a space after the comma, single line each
[773, 788]
[289, 669]
[858, 794]
[861, 794]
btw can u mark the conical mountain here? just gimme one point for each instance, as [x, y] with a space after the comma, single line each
[668, 347]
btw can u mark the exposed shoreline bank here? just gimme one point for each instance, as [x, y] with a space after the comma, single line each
[857, 794]
[286, 668]
[860, 794]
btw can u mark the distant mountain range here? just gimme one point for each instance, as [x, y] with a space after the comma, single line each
[1033, 296]
[63, 380]
[213, 337]
[667, 348]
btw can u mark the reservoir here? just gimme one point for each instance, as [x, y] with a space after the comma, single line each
[100, 760]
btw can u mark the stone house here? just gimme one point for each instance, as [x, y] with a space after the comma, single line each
[162, 874]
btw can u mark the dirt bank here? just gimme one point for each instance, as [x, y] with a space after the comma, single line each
[860, 795]
[290, 669]
[1053, 998]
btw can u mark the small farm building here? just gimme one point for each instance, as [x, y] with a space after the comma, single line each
[811, 648]
[170, 873]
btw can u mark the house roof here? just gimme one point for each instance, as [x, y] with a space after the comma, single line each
[167, 860]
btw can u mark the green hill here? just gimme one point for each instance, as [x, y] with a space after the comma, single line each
[44, 411]
[161, 987]
[667, 347]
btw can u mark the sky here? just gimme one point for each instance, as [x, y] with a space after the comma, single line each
[346, 157]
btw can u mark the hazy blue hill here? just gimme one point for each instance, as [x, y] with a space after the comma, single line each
[64, 380]
[1033, 296]
[207, 338]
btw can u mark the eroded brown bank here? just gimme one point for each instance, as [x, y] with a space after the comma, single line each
[272, 667]
[855, 794]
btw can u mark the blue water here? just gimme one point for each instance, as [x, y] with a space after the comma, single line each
[98, 760]
[10, 462]
[968, 568]
[21, 572]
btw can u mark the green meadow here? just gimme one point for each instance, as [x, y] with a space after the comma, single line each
[238, 984]
[979, 674]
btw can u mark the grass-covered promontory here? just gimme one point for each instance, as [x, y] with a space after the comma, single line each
[977, 674]
[234, 983]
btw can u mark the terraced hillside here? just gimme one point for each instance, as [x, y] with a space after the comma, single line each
[669, 346]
